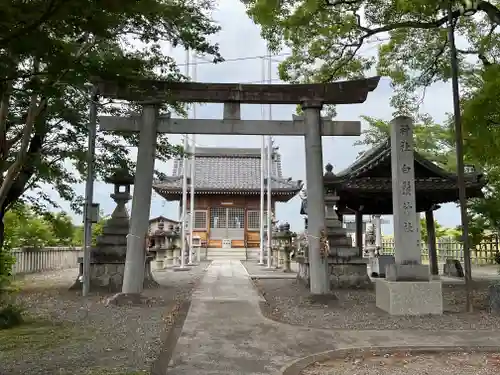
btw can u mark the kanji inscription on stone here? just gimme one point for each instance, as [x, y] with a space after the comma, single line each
[404, 130]
[406, 225]
[405, 146]
[407, 207]
[406, 189]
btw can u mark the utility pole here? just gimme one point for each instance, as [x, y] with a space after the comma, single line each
[89, 192]
[193, 161]
[184, 186]
[262, 175]
[192, 178]
[269, 171]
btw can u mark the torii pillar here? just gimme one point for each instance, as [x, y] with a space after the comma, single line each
[311, 96]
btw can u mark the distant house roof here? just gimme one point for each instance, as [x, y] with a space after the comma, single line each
[227, 171]
[159, 218]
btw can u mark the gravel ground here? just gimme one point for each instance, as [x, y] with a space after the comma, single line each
[405, 363]
[89, 337]
[288, 301]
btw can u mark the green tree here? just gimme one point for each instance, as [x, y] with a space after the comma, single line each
[333, 39]
[440, 230]
[49, 51]
[97, 230]
[61, 226]
[433, 141]
[24, 228]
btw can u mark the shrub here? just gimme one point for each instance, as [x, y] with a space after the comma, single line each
[10, 316]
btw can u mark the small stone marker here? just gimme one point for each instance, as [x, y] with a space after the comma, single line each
[453, 268]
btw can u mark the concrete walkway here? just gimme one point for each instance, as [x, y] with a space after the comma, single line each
[225, 332]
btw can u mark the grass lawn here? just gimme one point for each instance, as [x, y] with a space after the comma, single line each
[36, 335]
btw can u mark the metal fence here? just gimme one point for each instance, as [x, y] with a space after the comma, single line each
[449, 248]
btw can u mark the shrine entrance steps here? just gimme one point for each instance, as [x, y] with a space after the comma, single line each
[231, 253]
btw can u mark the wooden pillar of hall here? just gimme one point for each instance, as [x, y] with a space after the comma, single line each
[359, 232]
[431, 241]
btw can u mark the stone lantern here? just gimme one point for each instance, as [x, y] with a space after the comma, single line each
[275, 246]
[170, 235]
[284, 238]
[176, 245]
[107, 257]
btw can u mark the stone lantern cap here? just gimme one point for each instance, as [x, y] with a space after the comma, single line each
[120, 177]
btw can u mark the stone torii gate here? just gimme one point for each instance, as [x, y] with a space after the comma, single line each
[150, 94]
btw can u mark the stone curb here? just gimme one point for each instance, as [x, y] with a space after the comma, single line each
[295, 367]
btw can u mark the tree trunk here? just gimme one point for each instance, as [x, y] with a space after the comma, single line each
[2, 229]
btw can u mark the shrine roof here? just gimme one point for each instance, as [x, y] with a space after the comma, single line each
[367, 183]
[368, 164]
[227, 170]
[373, 168]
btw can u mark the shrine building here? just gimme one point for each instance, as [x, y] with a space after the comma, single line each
[227, 194]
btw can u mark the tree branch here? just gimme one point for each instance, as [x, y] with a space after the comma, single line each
[34, 112]
[491, 11]
[52, 7]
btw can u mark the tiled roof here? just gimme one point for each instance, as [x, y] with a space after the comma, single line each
[228, 169]
[382, 154]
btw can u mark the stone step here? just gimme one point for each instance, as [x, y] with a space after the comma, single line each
[230, 254]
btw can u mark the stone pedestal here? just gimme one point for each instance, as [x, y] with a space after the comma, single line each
[346, 266]
[349, 275]
[160, 263]
[409, 297]
[408, 288]
[341, 276]
[407, 272]
[169, 258]
[107, 258]
[160, 259]
[378, 264]
[177, 257]
[108, 277]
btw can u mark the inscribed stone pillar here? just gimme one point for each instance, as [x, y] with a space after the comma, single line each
[406, 235]
[407, 288]
[141, 202]
[319, 280]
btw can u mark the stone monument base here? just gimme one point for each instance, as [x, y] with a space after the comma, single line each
[122, 299]
[407, 272]
[409, 297]
[349, 275]
[108, 277]
[352, 275]
[378, 264]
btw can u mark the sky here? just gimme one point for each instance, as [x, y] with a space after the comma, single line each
[240, 38]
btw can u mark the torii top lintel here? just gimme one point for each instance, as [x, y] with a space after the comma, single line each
[343, 92]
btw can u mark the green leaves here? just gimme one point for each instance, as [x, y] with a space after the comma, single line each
[49, 51]
[339, 39]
